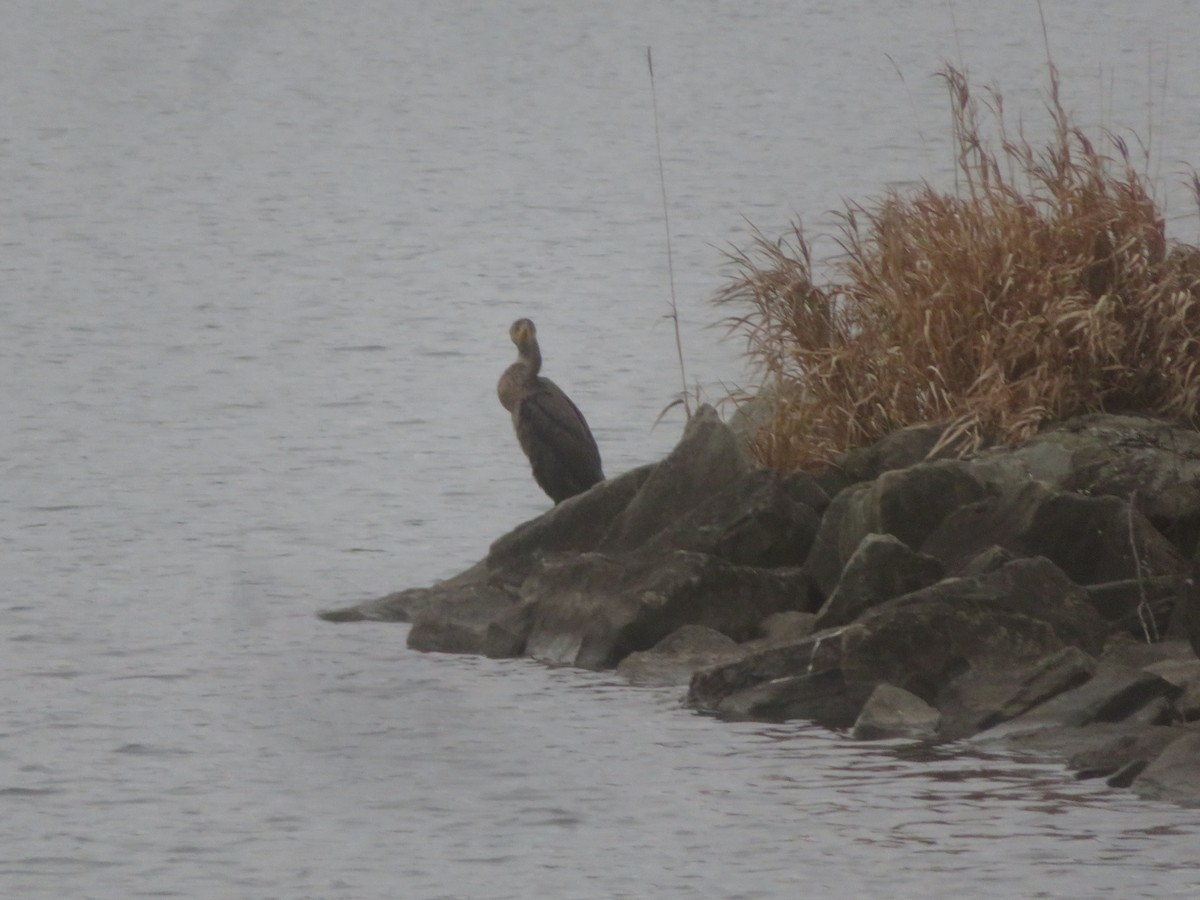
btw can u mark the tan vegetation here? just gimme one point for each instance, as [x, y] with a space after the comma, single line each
[1044, 287]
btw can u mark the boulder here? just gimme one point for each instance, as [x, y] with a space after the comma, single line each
[1185, 675]
[1147, 608]
[899, 450]
[997, 521]
[593, 610]
[919, 642]
[710, 687]
[674, 659]
[892, 712]
[1133, 573]
[507, 631]
[989, 560]
[458, 621]
[785, 628]
[821, 697]
[1015, 615]
[1155, 461]
[882, 567]
[987, 695]
[1123, 650]
[577, 524]
[753, 414]
[1126, 753]
[754, 520]
[1174, 775]
[1113, 694]
[1093, 539]
[707, 459]
[906, 503]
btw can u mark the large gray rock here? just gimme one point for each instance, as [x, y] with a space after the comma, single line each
[1094, 540]
[458, 622]
[490, 585]
[674, 659]
[1128, 752]
[821, 697]
[892, 712]
[786, 628]
[1123, 456]
[1017, 614]
[755, 520]
[577, 524]
[707, 459]
[592, 611]
[906, 503]
[986, 695]
[1113, 694]
[1175, 774]
[1154, 461]
[1185, 675]
[814, 654]
[1062, 450]
[898, 450]
[882, 567]
[919, 642]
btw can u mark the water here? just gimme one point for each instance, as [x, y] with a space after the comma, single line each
[260, 260]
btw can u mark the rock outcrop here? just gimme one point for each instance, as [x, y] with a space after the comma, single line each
[1044, 595]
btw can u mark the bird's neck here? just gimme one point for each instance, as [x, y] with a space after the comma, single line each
[531, 358]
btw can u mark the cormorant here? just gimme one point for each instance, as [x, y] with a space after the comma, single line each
[551, 429]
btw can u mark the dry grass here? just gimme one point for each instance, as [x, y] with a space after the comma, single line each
[1044, 288]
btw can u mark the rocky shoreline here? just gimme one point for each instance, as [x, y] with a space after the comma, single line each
[1044, 596]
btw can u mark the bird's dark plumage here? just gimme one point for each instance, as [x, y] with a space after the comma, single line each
[550, 428]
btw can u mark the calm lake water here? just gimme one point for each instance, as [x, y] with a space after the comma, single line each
[260, 259]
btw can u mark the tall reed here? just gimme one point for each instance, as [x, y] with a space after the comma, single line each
[1044, 287]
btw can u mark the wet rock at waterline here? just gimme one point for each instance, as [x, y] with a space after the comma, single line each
[922, 642]
[593, 610]
[673, 659]
[892, 712]
[1174, 773]
[1043, 595]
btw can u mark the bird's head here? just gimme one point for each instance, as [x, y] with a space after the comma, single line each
[523, 333]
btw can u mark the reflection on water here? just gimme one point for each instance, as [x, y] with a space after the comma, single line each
[260, 263]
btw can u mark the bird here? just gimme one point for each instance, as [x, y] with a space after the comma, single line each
[550, 428]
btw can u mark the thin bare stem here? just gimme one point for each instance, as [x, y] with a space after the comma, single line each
[662, 181]
[1144, 613]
